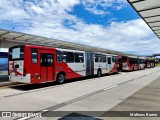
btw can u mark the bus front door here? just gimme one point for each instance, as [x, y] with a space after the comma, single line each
[46, 66]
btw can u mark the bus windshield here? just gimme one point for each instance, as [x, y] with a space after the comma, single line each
[16, 53]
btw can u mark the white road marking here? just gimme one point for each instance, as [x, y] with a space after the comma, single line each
[44, 110]
[110, 87]
[2, 97]
[24, 118]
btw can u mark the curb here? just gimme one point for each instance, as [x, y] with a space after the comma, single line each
[5, 83]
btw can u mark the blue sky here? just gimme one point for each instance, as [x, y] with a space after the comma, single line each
[112, 14]
[110, 24]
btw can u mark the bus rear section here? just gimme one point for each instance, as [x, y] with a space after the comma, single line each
[31, 64]
[16, 65]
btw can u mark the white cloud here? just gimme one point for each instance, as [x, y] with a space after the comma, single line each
[96, 11]
[17, 10]
[47, 18]
[11, 10]
[100, 7]
[37, 9]
[133, 36]
[68, 4]
[3, 50]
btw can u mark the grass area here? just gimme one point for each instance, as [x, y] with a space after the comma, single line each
[158, 65]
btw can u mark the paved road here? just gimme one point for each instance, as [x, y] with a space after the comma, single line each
[94, 94]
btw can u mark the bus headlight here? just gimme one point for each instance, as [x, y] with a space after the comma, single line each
[38, 77]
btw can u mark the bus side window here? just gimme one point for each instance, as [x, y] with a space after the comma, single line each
[109, 60]
[34, 55]
[59, 56]
[49, 60]
[117, 59]
[114, 59]
[104, 59]
[79, 58]
[98, 58]
[124, 59]
[68, 57]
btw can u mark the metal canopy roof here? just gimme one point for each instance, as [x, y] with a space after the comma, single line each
[24, 38]
[149, 10]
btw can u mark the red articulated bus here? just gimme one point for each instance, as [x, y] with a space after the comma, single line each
[39, 64]
[128, 63]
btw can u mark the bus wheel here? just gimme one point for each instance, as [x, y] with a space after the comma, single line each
[60, 78]
[99, 73]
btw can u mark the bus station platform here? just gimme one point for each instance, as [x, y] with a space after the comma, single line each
[146, 100]
[100, 98]
[138, 95]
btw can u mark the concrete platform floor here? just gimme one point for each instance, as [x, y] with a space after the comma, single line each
[94, 94]
[146, 99]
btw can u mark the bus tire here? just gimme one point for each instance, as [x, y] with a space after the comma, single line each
[60, 78]
[99, 73]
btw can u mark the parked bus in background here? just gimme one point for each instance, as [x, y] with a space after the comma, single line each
[38, 64]
[150, 62]
[129, 63]
[105, 63]
[141, 63]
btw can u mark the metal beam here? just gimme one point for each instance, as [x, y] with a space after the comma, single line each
[4, 34]
[148, 9]
[152, 16]
[154, 26]
[137, 1]
[18, 37]
[142, 18]
[154, 21]
[30, 39]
